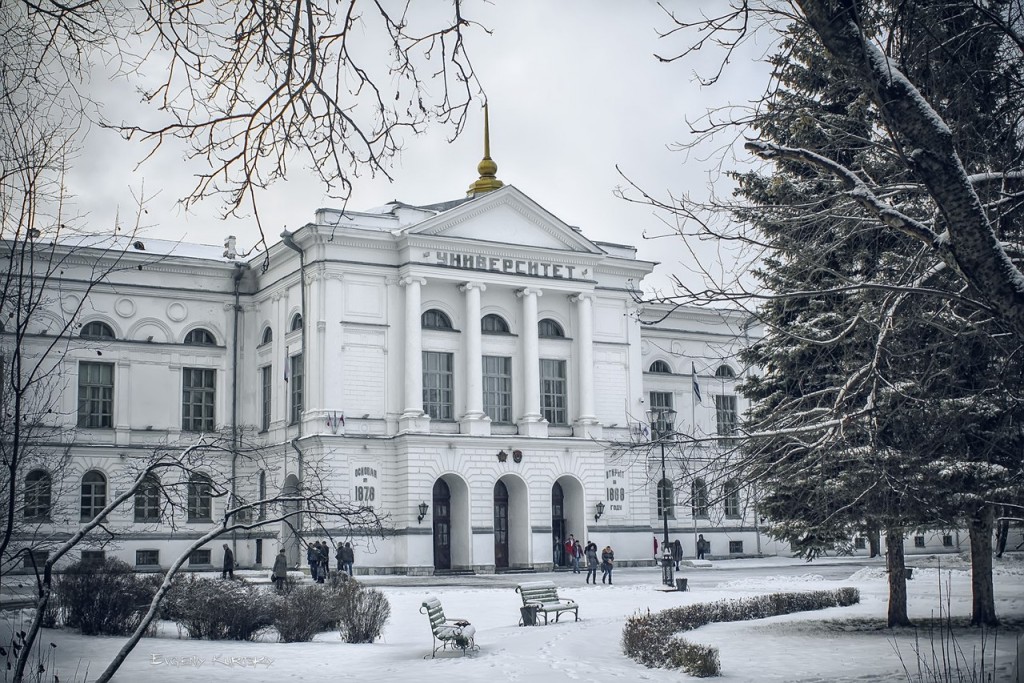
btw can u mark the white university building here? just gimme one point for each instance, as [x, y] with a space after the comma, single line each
[466, 368]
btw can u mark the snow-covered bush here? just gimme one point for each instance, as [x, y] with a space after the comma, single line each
[107, 599]
[213, 609]
[363, 612]
[650, 638]
[305, 611]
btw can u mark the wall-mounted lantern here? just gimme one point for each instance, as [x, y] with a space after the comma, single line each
[600, 511]
[423, 513]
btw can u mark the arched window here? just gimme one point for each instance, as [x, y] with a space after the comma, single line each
[147, 499]
[200, 498]
[296, 323]
[699, 498]
[268, 336]
[94, 494]
[200, 337]
[435, 320]
[549, 328]
[493, 324]
[725, 372]
[661, 367]
[731, 496]
[38, 486]
[666, 499]
[97, 330]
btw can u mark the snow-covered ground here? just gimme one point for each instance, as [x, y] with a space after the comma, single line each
[841, 644]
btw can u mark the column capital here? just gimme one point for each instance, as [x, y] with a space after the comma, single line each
[412, 279]
[529, 291]
[581, 296]
[466, 286]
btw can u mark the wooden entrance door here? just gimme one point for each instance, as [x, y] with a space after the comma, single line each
[442, 525]
[558, 526]
[500, 526]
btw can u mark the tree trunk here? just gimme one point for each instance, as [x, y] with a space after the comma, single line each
[1002, 532]
[897, 578]
[874, 542]
[983, 611]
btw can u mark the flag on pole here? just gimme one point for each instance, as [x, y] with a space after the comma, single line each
[696, 386]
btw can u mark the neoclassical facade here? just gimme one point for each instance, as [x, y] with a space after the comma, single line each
[477, 370]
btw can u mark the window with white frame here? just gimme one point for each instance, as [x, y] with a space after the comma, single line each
[660, 367]
[725, 416]
[200, 337]
[97, 330]
[96, 395]
[266, 394]
[295, 389]
[200, 498]
[731, 498]
[493, 324]
[147, 558]
[699, 498]
[497, 381]
[439, 385]
[94, 494]
[666, 499]
[198, 397]
[554, 391]
[147, 499]
[661, 419]
[38, 492]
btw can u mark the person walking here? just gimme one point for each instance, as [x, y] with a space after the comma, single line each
[677, 552]
[702, 546]
[312, 557]
[567, 547]
[323, 561]
[228, 570]
[347, 557]
[591, 554]
[280, 572]
[577, 553]
[607, 562]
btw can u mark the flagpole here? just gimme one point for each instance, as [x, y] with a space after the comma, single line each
[693, 436]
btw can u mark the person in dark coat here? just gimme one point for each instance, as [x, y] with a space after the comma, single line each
[312, 558]
[323, 561]
[607, 563]
[280, 572]
[591, 554]
[702, 547]
[677, 552]
[347, 556]
[228, 571]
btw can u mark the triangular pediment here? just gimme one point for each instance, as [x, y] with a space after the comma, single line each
[508, 216]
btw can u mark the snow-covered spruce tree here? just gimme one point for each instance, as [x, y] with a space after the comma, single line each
[876, 345]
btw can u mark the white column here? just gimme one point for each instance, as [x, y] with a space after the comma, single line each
[586, 422]
[474, 369]
[531, 423]
[413, 412]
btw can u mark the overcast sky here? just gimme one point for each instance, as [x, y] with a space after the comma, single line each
[574, 90]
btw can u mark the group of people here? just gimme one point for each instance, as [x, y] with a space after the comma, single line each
[675, 549]
[318, 555]
[575, 552]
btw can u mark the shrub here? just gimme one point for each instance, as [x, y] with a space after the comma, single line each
[214, 609]
[363, 612]
[650, 638]
[103, 599]
[303, 612]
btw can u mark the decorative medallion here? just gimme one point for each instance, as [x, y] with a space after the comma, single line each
[176, 311]
[69, 303]
[517, 456]
[502, 456]
[125, 307]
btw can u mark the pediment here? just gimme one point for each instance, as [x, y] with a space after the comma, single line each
[507, 216]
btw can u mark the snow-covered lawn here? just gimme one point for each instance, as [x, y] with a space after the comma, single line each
[840, 644]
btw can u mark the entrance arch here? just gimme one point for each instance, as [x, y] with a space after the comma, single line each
[567, 516]
[511, 523]
[450, 522]
[500, 525]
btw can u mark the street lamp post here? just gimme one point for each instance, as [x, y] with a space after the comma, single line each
[664, 421]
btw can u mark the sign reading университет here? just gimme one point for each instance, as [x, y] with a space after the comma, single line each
[505, 265]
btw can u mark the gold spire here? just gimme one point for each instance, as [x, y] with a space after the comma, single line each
[486, 168]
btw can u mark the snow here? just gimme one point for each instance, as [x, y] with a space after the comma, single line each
[839, 644]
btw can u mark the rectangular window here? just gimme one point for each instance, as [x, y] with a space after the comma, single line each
[735, 547]
[553, 391]
[93, 558]
[35, 559]
[198, 394]
[858, 543]
[725, 414]
[96, 395]
[661, 423]
[147, 558]
[918, 541]
[498, 388]
[199, 557]
[265, 396]
[295, 388]
[732, 501]
[438, 385]
[947, 541]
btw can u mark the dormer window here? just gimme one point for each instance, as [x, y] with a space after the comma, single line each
[97, 330]
[550, 329]
[660, 367]
[493, 324]
[200, 337]
[435, 320]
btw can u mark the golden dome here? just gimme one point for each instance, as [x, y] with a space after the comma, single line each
[486, 168]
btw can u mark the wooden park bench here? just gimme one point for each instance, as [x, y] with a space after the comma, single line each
[543, 596]
[456, 633]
